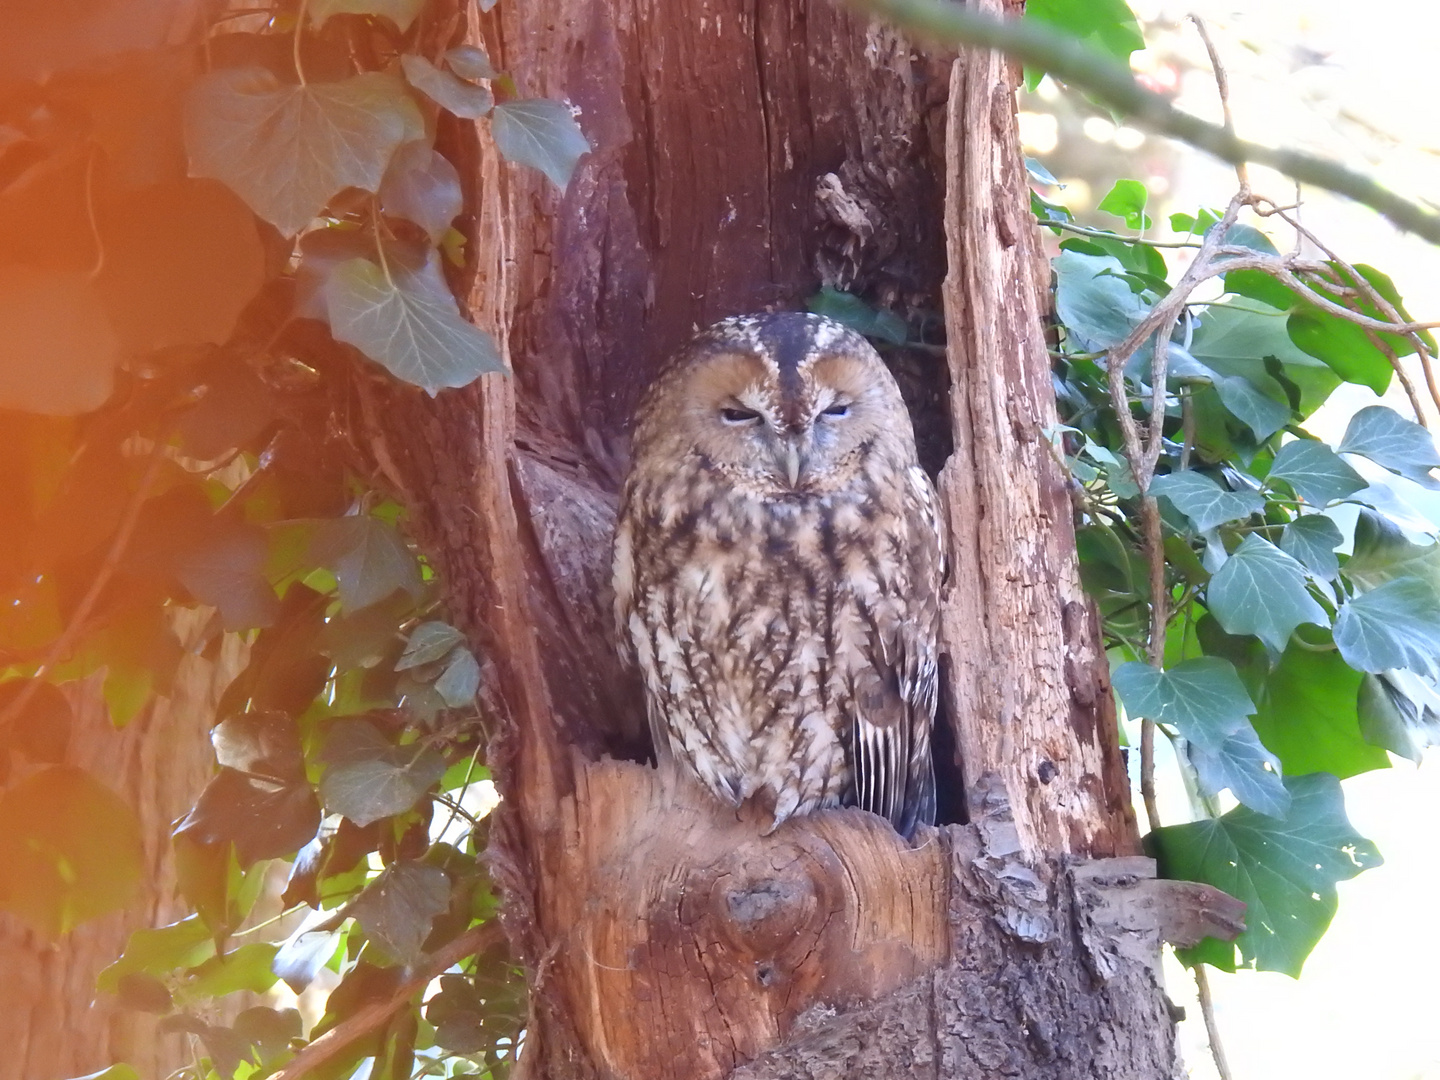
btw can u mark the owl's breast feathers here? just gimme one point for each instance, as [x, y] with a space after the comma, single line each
[788, 647]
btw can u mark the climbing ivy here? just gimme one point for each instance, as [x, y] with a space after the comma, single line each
[212, 249]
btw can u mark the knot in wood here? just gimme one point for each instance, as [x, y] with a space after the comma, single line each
[764, 914]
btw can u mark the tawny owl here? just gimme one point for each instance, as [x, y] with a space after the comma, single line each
[777, 569]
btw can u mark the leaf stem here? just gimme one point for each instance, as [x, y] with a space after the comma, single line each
[299, 36]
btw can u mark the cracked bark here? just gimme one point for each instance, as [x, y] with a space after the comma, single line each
[744, 156]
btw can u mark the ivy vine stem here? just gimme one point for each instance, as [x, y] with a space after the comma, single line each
[299, 36]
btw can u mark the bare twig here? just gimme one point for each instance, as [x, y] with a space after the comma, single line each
[376, 1014]
[1212, 1030]
[1222, 87]
[62, 644]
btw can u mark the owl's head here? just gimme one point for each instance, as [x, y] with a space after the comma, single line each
[783, 405]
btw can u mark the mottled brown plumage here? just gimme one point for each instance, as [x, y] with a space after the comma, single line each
[777, 565]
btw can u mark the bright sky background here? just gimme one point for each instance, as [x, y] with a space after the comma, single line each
[1356, 82]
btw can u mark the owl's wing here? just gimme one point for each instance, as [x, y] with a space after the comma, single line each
[895, 693]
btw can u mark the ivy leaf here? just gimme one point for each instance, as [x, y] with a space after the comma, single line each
[407, 321]
[60, 346]
[428, 642]
[264, 817]
[861, 317]
[301, 956]
[1387, 438]
[160, 951]
[1237, 340]
[1284, 869]
[456, 95]
[114, 1072]
[422, 186]
[1317, 473]
[227, 571]
[1108, 26]
[1391, 719]
[1394, 626]
[470, 62]
[245, 968]
[368, 556]
[1343, 346]
[368, 778]
[1126, 200]
[397, 909]
[542, 134]
[261, 743]
[1242, 764]
[1204, 501]
[1312, 540]
[1093, 301]
[69, 850]
[288, 150]
[1307, 716]
[401, 12]
[460, 681]
[1260, 590]
[1203, 698]
[1382, 553]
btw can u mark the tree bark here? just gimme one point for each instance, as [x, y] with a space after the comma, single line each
[744, 156]
[52, 1021]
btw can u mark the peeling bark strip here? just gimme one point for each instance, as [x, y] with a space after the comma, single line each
[1029, 688]
[745, 155]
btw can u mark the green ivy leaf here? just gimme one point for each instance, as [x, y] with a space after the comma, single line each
[69, 850]
[1343, 346]
[470, 62]
[460, 681]
[1203, 698]
[1260, 590]
[368, 556]
[1242, 764]
[288, 150]
[114, 1072]
[1394, 626]
[312, 946]
[1307, 716]
[160, 951]
[1127, 200]
[1105, 25]
[264, 817]
[1312, 540]
[1381, 722]
[1204, 501]
[1263, 408]
[446, 90]
[1235, 340]
[428, 642]
[227, 571]
[245, 968]
[861, 317]
[542, 134]
[397, 909]
[1317, 473]
[1388, 439]
[407, 321]
[422, 186]
[401, 12]
[1093, 300]
[1382, 553]
[368, 778]
[1284, 869]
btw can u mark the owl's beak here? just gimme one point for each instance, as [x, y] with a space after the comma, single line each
[792, 459]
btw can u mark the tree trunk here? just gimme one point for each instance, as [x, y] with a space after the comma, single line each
[52, 1022]
[745, 155]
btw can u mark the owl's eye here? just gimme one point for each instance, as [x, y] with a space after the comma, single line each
[837, 411]
[739, 416]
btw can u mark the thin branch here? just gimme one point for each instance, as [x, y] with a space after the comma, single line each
[378, 1013]
[1212, 1030]
[62, 644]
[1222, 87]
[1102, 234]
[1076, 63]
